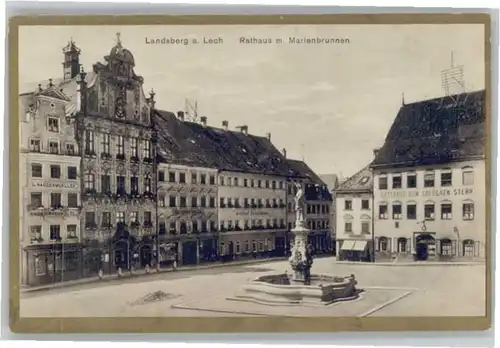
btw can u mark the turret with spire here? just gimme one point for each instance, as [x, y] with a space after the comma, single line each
[71, 64]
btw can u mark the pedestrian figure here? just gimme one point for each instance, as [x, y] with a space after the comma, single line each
[175, 265]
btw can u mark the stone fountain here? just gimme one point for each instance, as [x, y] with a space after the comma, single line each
[301, 287]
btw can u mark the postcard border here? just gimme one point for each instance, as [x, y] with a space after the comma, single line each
[222, 324]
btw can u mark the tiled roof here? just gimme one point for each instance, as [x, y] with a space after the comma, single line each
[436, 131]
[69, 87]
[361, 181]
[192, 144]
[299, 169]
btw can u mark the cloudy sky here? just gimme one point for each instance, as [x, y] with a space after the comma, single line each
[330, 104]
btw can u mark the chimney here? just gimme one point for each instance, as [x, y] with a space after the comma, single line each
[225, 125]
[284, 153]
[203, 120]
[244, 129]
[180, 115]
[268, 136]
[376, 151]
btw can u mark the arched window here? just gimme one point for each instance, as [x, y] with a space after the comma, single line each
[468, 248]
[397, 210]
[446, 247]
[402, 245]
[383, 244]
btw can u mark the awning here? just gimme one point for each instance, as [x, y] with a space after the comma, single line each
[347, 245]
[360, 245]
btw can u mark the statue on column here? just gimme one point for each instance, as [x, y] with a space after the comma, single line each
[299, 204]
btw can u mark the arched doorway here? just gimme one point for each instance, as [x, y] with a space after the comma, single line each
[422, 246]
[383, 244]
[402, 245]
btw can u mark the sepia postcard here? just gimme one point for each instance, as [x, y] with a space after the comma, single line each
[267, 173]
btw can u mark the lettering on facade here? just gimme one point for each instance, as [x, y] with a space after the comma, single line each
[428, 193]
[50, 184]
[53, 212]
[255, 213]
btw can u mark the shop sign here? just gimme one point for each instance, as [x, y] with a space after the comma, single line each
[443, 192]
[53, 212]
[253, 213]
[52, 184]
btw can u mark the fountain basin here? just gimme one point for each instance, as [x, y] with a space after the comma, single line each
[280, 289]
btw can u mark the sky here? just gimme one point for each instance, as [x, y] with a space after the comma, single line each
[329, 104]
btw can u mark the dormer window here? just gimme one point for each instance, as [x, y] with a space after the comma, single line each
[53, 125]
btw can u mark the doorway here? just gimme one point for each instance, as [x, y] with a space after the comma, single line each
[422, 246]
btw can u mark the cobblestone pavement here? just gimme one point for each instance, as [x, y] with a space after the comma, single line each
[427, 290]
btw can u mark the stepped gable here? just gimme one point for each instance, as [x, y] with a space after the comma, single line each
[192, 144]
[361, 181]
[436, 131]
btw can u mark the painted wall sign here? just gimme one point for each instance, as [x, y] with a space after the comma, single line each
[255, 213]
[447, 192]
[51, 184]
[54, 212]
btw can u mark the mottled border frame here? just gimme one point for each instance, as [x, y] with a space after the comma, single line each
[233, 325]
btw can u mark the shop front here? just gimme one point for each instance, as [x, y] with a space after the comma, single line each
[355, 250]
[53, 263]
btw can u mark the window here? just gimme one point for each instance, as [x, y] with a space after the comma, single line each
[203, 201]
[411, 211]
[221, 180]
[182, 202]
[36, 170]
[89, 141]
[212, 202]
[53, 124]
[365, 204]
[396, 211]
[55, 172]
[348, 227]
[382, 183]
[365, 227]
[446, 247]
[429, 211]
[71, 231]
[382, 212]
[120, 145]
[183, 227]
[171, 176]
[106, 219]
[182, 178]
[133, 216]
[446, 211]
[35, 145]
[55, 200]
[446, 179]
[89, 218]
[212, 179]
[89, 182]
[53, 147]
[194, 178]
[203, 180]
[120, 184]
[467, 178]
[36, 232]
[194, 202]
[134, 148]
[383, 244]
[161, 176]
[429, 179]
[72, 173]
[411, 180]
[347, 204]
[171, 202]
[468, 248]
[396, 181]
[147, 149]
[468, 211]
[120, 217]
[147, 184]
[134, 185]
[105, 143]
[55, 232]
[72, 200]
[105, 183]
[402, 245]
[36, 200]
[70, 149]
